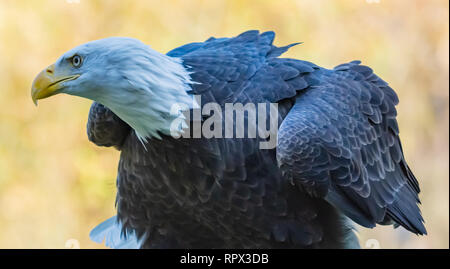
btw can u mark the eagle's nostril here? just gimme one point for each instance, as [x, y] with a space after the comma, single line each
[50, 69]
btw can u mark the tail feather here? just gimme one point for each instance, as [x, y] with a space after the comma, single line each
[111, 231]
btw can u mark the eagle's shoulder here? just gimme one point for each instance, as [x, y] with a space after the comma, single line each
[244, 69]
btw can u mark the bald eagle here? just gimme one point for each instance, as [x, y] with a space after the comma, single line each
[337, 160]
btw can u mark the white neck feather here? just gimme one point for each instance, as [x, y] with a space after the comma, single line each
[151, 84]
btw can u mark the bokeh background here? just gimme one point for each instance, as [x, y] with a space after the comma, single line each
[55, 185]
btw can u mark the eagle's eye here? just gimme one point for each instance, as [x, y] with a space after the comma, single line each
[76, 60]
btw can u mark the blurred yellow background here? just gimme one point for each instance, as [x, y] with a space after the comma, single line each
[55, 185]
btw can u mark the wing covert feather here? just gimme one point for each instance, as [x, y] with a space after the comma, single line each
[341, 141]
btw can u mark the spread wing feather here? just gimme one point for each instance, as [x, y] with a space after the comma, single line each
[341, 141]
[243, 69]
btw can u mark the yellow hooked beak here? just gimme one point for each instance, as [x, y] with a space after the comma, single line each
[47, 83]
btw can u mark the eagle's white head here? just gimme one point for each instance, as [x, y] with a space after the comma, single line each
[139, 84]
